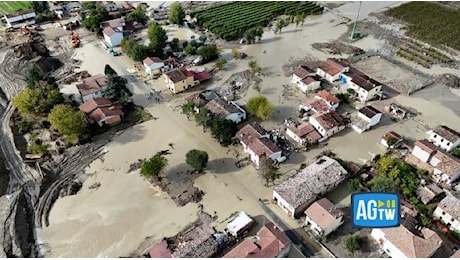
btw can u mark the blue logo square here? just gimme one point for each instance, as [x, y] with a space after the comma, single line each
[375, 210]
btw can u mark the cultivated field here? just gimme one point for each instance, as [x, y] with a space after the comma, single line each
[7, 7]
[420, 53]
[230, 21]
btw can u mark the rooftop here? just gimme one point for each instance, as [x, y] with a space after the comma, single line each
[428, 192]
[448, 164]
[365, 82]
[323, 213]
[333, 66]
[198, 99]
[369, 111]
[412, 245]
[451, 205]
[20, 12]
[151, 60]
[109, 31]
[102, 112]
[302, 129]
[119, 22]
[222, 108]
[263, 146]
[92, 84]
[250, 131]
[329, 120]
[456, 254]
[176, 75]
[240, 221]
[391, 134]
[447, 133]
[426, 146]
[160, 250]
[268, 243]
[302, 72]
[327, 96]
[316, 179]
[90, 105]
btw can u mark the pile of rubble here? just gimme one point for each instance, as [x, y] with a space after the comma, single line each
[449, 80]
[338, 48]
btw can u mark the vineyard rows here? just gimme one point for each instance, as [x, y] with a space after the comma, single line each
[418, 53]
[230, 21]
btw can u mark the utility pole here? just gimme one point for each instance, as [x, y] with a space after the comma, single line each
[356, 21]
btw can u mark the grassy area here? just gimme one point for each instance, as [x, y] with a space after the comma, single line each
[7, 7]
[430, 22]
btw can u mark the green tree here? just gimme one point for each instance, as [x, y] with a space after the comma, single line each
[456, 152]
[203, 117]
[223, 130]
[137, 15]
[136, 51]
[177, 14]
[154, 166]
[197, 159]
[188, 108]
[95, 18]
[260, 107]
[352, 243]
[270, 171]
[67, 121]
[35, 75]
[174, 44]
[279, 24]
[251, 34]
[382, 184]
[209, 52]
[354, 184]
[108, 71]
[157, 36]
[220, 63]
[116, 89]
[189, 49]
[38, 100]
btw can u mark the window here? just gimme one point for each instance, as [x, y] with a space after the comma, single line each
[435, 136]
[448, 143]
[442, 140]
[443, 213]
[452, 220]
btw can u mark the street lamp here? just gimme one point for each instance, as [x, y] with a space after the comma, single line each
[356, 21]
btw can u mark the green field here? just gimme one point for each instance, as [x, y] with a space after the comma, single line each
[231, 20]
[13, 6]
[430, 22]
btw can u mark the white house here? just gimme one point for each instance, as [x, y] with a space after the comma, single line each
[327, 124]
[294, 195]
[423, 150]
[321, 103]
[92, 87]
[303, 133]
[448, 211]
[365, 87]
[445, 137]
[258, 145]
[331, 69]
[368, 117]
[323, 217]
[153, 65]
[113, 31]
[20, 18]
[305, 79]
[300, 73]
[388, 136]
[228, 110]
[402, 242]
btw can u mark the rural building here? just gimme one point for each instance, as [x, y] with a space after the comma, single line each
[323, 217]
[92, 87]
[428, 193]
[269, 242]
[305, 79]
[294, 195]
[113, 31]
[365, 87]
[448, 211]
[20, 18]
[446, 166]
[153, 65]
[303, 133]
[331, 69]
[179, 80]
[394, 138]
[102, 111]
[198, 100]
[456, 254]
[367, 117]
[404, 242]
[227, 110]
[109, 6]
[327, 124]
[257, 143]
[160, 250]
[240, 224]
[445, 137]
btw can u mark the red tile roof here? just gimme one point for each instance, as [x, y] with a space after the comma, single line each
[426, 146]
[92, 84]
[328, 97]
[176, 75]
[391, 134]
[332, 66]
[90, 105]
[263, 146]
[151, 60]
[102, 112]
[269, 242]
[369, 111]
[114, 23]
[447, 133]
[160, 250]
[202, 75]
[329, 120]
[109, 31]
[456, 254]
[301, 72]
[323, 213]
[250, 131]
[302, 129]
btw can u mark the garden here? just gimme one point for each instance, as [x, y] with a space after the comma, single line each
[8, 7]
[420, 53]
[231, 20]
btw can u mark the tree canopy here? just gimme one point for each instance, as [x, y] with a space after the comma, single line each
[279, 24]
[108, 71]
[157, 36]
[136, 51]
[203, 117]
[116, 89]
[68, 121]
[137, 15]
[352, 243]
[38, 100]
[209, 52]
[97, 15]
[187, 108]
[260, 107]
[251, 34]
[154, 166]
[270, 171]
[197, 159]
[223, 130]
[35, 75]
[177, 14]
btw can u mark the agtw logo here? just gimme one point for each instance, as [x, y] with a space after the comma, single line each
[375, 209]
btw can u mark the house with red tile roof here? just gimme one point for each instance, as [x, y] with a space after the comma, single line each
[269, 242]
[445, 137]
[323, 217]
[322, 102]
[257, 144]
[181, 79]
[332, 69]
[327, 124]
[391, 135]
[365, 87]
[303, 133]
[227, 110]
[92, 87]
[367, 117]
[305, 79]
[102, 111]
[403, 242]
[153, 65]
[113, 31]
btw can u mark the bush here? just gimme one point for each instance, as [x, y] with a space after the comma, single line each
[197, 159]
[37, 148]
[154, 166]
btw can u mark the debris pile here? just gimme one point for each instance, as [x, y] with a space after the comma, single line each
[292, 64]
[449, 80]
[338, 48]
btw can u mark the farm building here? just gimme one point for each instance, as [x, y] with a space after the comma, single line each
[367, 117]
[20, 18]
[444, 137]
